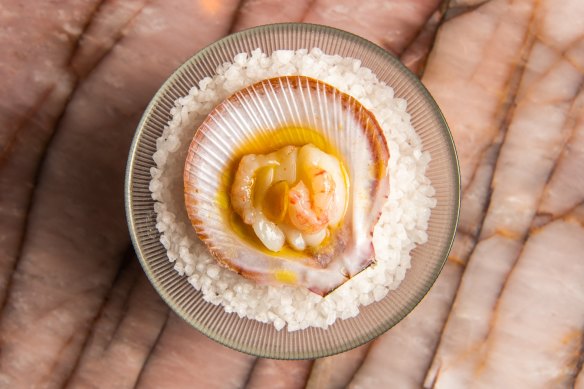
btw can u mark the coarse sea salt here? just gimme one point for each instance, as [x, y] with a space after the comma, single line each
[402, 224]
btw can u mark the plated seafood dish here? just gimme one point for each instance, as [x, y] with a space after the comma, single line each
[291, 188]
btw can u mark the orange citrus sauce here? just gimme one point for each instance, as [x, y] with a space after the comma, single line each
[264, 143]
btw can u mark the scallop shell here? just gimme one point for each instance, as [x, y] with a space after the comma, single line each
[264, 117]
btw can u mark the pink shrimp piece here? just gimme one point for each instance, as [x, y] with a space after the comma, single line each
[310, 215]
[242, 189]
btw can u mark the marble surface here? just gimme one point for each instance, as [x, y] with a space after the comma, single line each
[77, 311]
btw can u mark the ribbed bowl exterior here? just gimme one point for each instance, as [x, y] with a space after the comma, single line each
[250, 336]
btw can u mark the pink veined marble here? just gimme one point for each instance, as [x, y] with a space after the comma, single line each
[507, 310]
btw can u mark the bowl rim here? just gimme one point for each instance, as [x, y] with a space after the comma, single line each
[129, 205]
